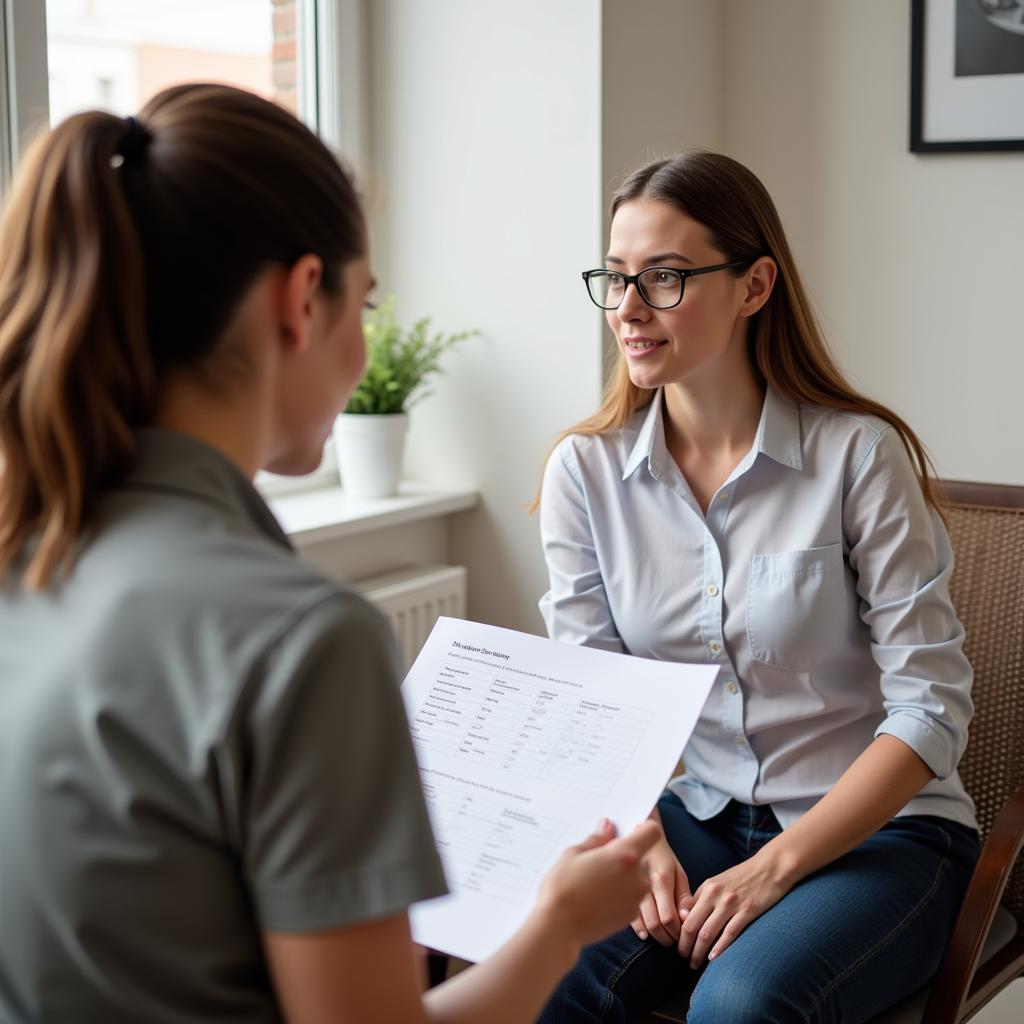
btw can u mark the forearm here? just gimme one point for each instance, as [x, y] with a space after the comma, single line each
[877, 785]
[511, 986]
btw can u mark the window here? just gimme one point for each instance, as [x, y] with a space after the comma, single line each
[59, 56]
[116, 54]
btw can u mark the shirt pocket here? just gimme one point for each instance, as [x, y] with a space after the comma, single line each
[796, 606]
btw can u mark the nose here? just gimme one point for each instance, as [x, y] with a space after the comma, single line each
[633, 306]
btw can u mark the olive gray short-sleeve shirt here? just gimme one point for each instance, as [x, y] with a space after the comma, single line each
[201, 738]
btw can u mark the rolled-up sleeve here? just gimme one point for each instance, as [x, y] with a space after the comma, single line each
[575, 607]
[901, 554]
[336, 825]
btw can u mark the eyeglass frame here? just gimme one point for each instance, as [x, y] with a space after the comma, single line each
[634, 279]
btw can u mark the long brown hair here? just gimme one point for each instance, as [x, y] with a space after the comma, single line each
[125, 247]
[787, 349]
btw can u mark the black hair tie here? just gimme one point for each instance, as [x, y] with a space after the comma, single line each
[134, 142]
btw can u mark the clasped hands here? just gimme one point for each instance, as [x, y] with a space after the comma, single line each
[702, 924]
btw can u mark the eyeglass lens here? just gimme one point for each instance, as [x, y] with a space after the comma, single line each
[660, 288]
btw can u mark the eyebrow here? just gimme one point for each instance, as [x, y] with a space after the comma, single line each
[653, 260]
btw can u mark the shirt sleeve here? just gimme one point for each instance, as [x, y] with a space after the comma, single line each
[575, 608]
[900, 551]
[336, 826]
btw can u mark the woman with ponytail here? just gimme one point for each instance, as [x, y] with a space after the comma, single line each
[211, 809]
[736, 501]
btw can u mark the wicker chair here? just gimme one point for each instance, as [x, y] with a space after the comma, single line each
[986, 950]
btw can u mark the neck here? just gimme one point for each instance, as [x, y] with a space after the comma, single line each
[233, 426]
[713, 419]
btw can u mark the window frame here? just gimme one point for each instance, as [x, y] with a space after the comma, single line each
[24, 83]
[333, 92]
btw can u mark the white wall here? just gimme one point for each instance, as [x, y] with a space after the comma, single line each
[915, 261]
[660, 83]
[486, 147]
[661, 89]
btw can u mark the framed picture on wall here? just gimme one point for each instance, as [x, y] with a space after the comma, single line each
[966, 75]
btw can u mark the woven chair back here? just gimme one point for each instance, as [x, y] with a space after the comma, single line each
[988, 594]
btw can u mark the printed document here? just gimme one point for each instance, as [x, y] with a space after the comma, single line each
[524, 744]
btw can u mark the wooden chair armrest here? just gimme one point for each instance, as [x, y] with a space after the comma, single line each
[952, 983]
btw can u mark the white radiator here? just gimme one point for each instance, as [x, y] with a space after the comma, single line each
[413, 598]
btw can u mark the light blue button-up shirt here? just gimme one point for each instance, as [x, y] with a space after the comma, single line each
[817, 582]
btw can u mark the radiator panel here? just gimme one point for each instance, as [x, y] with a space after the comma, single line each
[413, 599]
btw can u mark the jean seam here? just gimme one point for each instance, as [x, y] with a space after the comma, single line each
[614, 979]
[843, 975]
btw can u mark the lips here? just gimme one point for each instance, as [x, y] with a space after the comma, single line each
[639, 346]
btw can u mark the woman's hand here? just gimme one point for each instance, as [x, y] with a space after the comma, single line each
[724, 905]
[668, 895]
[881, 781]
[594, 886]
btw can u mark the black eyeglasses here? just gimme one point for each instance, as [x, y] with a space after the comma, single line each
[659, 287]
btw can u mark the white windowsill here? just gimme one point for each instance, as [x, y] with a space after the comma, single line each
[329, 514]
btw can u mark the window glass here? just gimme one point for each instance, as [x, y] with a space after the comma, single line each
[116, 54]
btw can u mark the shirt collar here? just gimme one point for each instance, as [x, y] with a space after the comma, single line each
[169, 462]
[651, 430]
[778, 434]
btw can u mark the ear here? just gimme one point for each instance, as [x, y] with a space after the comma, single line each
[298, 286]
[760, 280]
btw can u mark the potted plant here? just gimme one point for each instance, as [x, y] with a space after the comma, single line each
[369, 436]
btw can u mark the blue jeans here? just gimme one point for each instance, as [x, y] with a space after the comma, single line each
[845, 943]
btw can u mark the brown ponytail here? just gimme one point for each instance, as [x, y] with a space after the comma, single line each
[76, 373]
[125, 248]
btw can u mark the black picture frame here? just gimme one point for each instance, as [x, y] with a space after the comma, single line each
[918, 98]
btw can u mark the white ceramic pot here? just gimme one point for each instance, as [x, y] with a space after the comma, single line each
[369, 452]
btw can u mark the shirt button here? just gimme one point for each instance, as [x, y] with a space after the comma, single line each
[713, 590]
[724, 496]
[731, 687]
[716, 647]
[740, 743]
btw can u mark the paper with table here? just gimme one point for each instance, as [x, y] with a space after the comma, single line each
[523, 745]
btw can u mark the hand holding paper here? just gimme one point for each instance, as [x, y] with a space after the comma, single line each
[613, 867]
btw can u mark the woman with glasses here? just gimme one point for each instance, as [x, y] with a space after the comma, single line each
[736, 501]
[211, 808]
